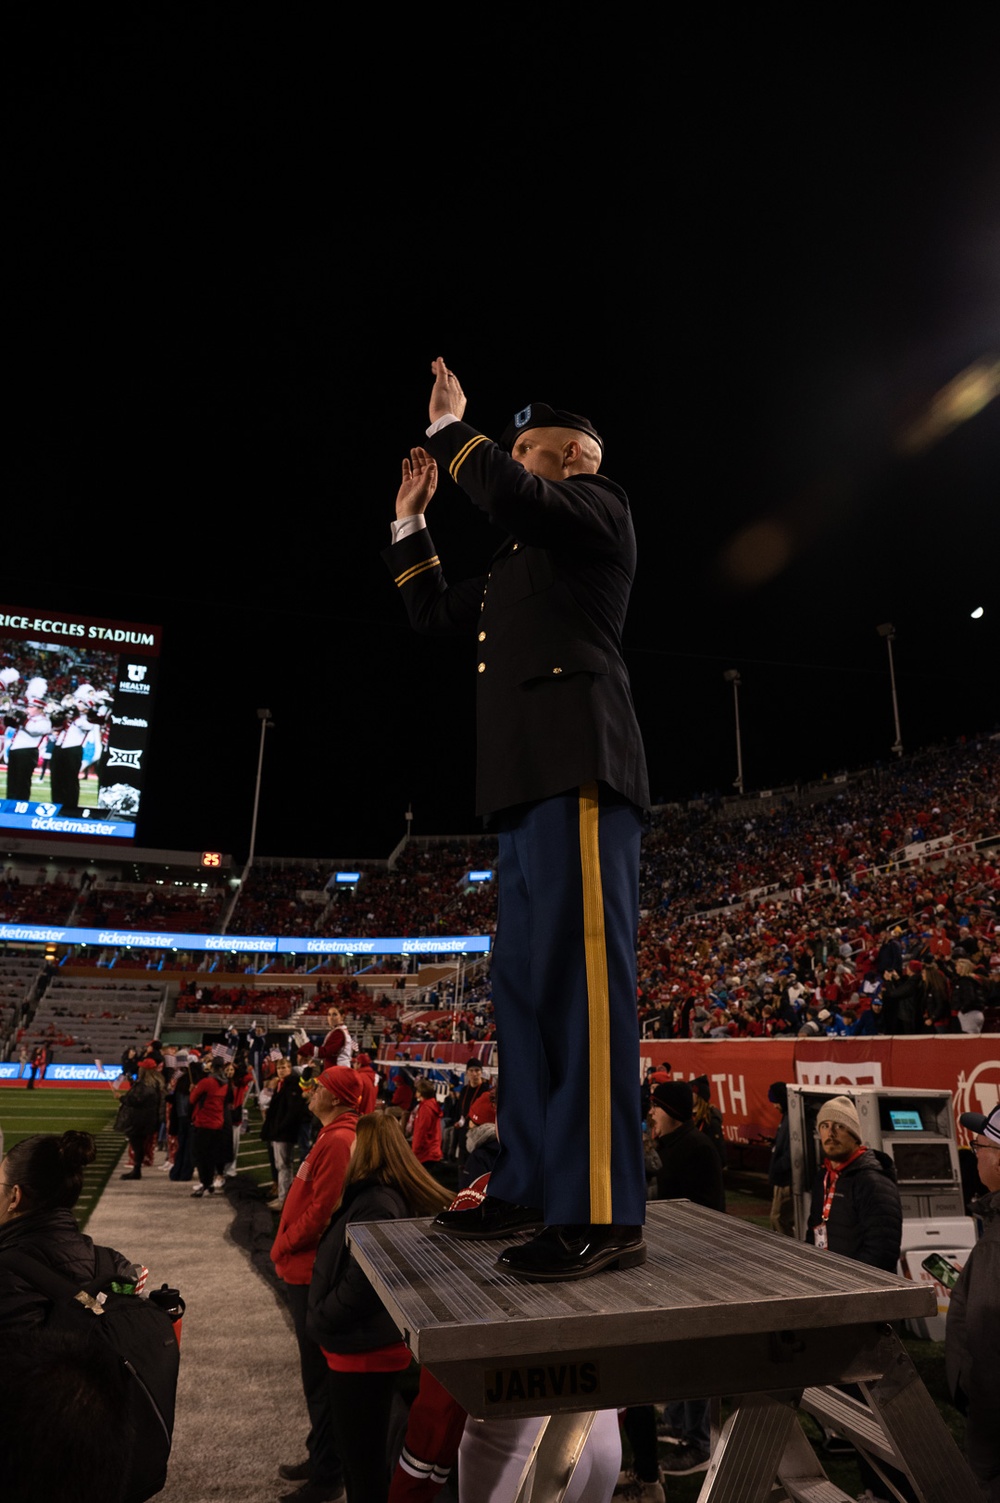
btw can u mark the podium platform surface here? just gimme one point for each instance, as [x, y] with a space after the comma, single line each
[716, 1301]
[719, 1309]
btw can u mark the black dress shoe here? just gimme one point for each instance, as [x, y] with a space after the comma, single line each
[574, 1252]
[133, 1174]
[296, 1471]
[493, 1218]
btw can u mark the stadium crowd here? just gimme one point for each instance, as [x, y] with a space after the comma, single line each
[871, 909]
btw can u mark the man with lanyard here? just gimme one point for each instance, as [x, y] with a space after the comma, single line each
[856, 1209]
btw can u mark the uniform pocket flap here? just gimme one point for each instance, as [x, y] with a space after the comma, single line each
[559, 662]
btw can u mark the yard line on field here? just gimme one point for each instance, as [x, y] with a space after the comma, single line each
[16, 1116]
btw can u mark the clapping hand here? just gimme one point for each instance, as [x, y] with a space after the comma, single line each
[418, 484]
[447, 396]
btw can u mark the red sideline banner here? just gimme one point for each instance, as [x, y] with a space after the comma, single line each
[741, 1070]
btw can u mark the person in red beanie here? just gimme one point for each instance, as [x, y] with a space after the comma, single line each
[335, 1101]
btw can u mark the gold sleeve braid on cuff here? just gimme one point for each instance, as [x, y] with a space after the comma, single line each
[464, 453]
[411, 573]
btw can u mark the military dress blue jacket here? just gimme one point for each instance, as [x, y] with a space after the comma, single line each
[554, 704]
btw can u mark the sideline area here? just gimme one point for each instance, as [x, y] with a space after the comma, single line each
[240, 1409]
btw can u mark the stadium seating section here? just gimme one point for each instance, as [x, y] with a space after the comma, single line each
[736, 895]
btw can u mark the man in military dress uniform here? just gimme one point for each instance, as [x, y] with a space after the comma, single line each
[561, 772]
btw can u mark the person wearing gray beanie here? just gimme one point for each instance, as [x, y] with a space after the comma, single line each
[841, 1109]
[856, 1210]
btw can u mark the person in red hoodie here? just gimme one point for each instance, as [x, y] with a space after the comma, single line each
[427, 1128]
[208, 1114]
[335, 1101]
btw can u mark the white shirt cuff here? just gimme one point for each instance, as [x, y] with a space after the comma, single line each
[442, 422]
[403, 528]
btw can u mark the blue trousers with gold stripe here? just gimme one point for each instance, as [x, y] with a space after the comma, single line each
[564, 995]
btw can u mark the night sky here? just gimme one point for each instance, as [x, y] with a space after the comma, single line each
[752, 256]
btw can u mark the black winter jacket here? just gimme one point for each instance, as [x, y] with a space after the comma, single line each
[53, 1238]
[345, 1313]
[288, 1111]
[553, 703]
[689, 1168]
[866, 1215]
[779, 1170]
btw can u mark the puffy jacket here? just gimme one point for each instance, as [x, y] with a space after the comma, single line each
[345, 1313]
[53, 1238]
[140, 1109]
[866, 1215]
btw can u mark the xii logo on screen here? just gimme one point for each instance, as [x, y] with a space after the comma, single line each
[118, 757]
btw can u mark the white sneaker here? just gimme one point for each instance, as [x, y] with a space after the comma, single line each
[231, 1172]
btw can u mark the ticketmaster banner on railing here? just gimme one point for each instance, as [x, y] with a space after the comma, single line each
[136, 939]
[14, 1070]
[247, 944]
[82, 1072]
[435, 944]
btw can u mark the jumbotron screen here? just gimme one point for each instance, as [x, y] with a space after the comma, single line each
[76, 702]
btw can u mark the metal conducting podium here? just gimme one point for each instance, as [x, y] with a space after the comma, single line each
[719, 1309]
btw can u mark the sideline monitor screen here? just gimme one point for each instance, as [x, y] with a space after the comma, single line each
[76, 700]
[905, 1121]
[920, 1163]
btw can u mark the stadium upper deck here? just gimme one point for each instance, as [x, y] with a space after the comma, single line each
[735, 895]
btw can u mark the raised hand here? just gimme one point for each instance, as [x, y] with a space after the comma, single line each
[418, 485]
[447, 396]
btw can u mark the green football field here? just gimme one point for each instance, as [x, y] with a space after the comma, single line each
[41, 789]
[24, 1112]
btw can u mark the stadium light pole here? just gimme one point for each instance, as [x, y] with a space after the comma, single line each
[732, 676]
[264, 716]
[888, 631]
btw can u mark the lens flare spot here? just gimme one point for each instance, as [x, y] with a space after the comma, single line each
[964, 397]
[758, 553]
